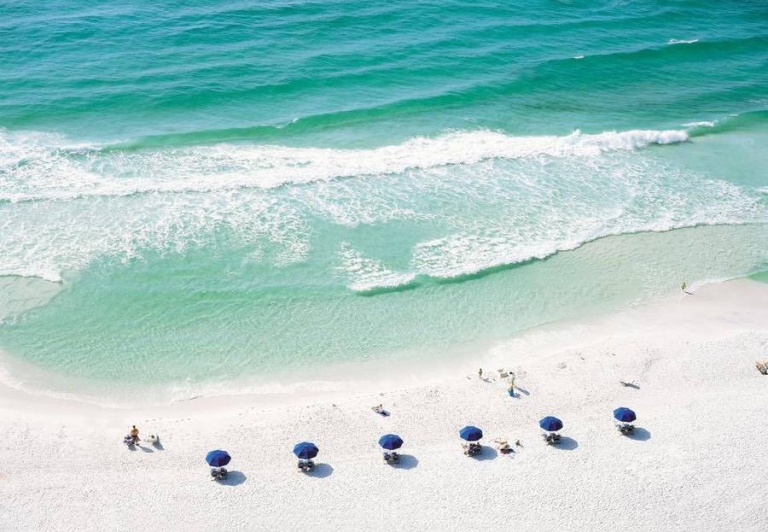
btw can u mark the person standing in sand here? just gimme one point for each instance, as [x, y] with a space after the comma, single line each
[511, 384]
[135, 435]
[480, 373]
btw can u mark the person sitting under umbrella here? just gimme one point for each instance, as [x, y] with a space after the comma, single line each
[472, 435]
[551, 424]
[625, 415]
[305, 451]
[217, 460]
[390, 442]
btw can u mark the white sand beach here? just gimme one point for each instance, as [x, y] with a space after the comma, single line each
[697, 461]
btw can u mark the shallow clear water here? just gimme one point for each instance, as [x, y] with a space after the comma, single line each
[195, 193]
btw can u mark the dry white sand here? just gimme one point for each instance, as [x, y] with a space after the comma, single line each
[697, 462]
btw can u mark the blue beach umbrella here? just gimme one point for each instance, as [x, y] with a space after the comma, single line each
[305, 450]
[391, 442]
[624, 414]
[551, 423]
[470, 433]
[217, 458]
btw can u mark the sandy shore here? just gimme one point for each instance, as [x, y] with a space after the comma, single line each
[697, 462]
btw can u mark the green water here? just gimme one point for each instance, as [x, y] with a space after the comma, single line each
[221, 192]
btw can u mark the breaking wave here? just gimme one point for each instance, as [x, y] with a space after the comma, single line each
[487, 200]
[37, 167]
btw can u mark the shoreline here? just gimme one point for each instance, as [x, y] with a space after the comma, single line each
[414, 373]
[697, 395]
[495, 312]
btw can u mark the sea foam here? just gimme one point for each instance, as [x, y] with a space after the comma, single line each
[489, 199]
[35, 167]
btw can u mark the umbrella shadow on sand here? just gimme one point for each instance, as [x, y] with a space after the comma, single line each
[406, 461]
[566, 444]
[639, 434]
[320, 471]
[233, 478]
[486, 453]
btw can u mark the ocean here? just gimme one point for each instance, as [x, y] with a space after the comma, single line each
[196, 195]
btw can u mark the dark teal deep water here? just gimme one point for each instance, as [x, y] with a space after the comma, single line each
[193, 192]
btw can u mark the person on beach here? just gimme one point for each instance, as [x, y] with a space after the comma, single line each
[480, 373]
[135, 435]
[511, 384]
[684, 287]
[379, 409]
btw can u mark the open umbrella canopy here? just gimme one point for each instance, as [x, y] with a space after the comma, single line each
[305, 450]
[624, 414]
[217, 458]
[391, 441]
[470, 433]
[551, 423]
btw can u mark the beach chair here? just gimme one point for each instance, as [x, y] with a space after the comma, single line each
[472, 449]
[551, 438]
[305, 466]
[626, 428]
[391, 458]
[218, 473]
[503, 446]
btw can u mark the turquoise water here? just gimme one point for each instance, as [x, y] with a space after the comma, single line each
[232, 190]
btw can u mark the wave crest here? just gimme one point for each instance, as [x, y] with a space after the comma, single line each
[682, 41]
[455, 205]
[35, 167]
